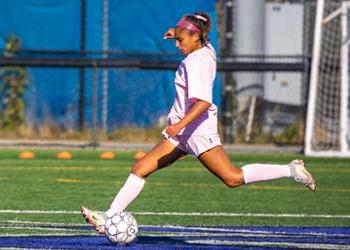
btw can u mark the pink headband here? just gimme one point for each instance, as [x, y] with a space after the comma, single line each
[187, 25]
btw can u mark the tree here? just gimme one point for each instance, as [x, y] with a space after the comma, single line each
[13, 83]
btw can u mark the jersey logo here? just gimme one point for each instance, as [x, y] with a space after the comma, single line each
[181, 71]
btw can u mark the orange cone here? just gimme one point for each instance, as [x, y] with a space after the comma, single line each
[26, 155]
[107, 155]
[139, 155]
[64, 155]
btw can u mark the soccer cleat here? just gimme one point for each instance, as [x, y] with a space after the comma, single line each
[300, 174]
[94, 218]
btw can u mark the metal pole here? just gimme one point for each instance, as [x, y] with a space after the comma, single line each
[94, 138]
[311, 107]
[81, 108]
[344, 89]
[229, 84]
[105, 45]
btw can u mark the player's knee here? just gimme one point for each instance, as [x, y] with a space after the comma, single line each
[141, 170]
[233, 180]
[138, 169]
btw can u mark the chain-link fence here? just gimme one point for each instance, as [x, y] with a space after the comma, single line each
[269, 104]
[91, 89]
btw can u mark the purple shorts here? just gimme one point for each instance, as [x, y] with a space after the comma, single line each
[194, 144]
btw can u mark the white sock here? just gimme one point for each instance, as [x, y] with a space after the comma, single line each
[264, 172]
[127, 194]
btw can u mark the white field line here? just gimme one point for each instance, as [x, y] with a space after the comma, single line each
[163, 234]
[41, 228]
[43, 223]
[324, 216]
[231, 243]
[243, 231]
[203, 231]
[47, 235]
[214, 214]
[209, 242]
[270, 244]
[225, 234]
[200, 232]
[238, 233]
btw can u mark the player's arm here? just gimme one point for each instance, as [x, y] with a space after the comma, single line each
[198, 108]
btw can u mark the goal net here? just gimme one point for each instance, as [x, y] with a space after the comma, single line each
[327, 126]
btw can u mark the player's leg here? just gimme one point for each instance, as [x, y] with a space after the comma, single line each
[162, 155]
[217, 161]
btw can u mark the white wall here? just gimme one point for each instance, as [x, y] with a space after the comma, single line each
[283, 36]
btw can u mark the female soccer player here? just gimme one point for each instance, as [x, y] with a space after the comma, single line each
[192, 126]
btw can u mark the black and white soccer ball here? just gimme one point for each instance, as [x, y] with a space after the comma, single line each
[121, 228]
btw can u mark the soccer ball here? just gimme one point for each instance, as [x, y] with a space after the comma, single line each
[121, 228]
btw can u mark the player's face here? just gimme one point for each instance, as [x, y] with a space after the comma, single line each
[186, 42]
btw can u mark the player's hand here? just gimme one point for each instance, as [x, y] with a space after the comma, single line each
[173, 130]
[170, 34]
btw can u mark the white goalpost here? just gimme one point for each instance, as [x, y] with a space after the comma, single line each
[328, 122]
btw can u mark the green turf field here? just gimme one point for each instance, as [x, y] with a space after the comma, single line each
[183, 194]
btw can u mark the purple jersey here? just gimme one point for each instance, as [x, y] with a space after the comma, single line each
[194, 80]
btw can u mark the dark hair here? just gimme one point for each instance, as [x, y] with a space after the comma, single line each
[203, 22]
